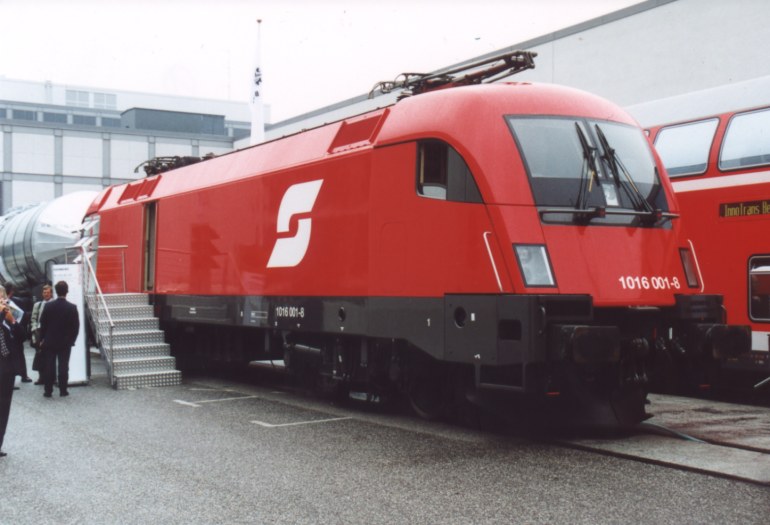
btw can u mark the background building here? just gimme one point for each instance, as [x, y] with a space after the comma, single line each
[58, 139]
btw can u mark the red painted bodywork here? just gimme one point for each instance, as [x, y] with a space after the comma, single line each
[372, 234]
[724, 245]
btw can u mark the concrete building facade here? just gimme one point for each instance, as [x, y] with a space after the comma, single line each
[58, 139]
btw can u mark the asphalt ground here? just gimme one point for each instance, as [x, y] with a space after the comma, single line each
[724, 439]
[216, 450]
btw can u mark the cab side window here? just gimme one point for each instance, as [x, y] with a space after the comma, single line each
[443, 174]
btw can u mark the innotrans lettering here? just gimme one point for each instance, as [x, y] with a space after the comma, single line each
[744, 209]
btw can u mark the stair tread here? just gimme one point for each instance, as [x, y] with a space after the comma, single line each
[122, 309]
[148, 373]
[142, 358]
[124, 326]
[124, 346]
[124, 332]
[126, 319]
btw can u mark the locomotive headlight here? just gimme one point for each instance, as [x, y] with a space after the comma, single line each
[690, 267]
[534, 264]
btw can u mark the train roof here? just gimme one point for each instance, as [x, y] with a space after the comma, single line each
[466, 116]
[709, 102]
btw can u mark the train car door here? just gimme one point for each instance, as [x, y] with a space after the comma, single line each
[150, 230]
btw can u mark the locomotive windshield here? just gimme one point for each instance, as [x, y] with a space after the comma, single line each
[590, 170]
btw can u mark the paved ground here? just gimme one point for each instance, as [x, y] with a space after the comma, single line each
[715, 421]
[725, 439]
[223, 451]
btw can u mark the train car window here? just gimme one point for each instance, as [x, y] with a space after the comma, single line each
[759, 288]
[684, 149]
[747, 141]
[443, 174]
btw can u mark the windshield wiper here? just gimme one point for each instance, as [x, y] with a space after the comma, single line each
[581, 212]
[586, 214]
[648, 214]
[587, 176]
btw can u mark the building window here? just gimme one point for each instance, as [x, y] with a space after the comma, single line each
[77, 98]
[239, 133]
[59, 118]
[83, 120]
[105, 101]
[110, 122]
[22, 114]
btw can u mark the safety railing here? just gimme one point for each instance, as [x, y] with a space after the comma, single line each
[95, 300]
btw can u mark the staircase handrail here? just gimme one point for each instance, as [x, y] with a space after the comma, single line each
[100, 295]
[88, 278]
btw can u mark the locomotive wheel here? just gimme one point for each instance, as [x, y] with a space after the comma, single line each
[329, 388]
[629, 406]
[426, 393]
[465, 404]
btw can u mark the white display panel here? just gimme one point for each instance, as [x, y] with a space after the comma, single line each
[72, 274]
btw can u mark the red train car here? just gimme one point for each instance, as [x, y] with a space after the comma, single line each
[503, 238]
[716, 149]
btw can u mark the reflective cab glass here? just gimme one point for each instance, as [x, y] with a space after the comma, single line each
[580, 163]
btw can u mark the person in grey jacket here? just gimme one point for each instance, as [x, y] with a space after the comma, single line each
[34, 329]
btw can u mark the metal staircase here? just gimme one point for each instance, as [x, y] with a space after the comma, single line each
[125, 328]
[132, 343]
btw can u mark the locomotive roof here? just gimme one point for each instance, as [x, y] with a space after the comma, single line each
[467, 116]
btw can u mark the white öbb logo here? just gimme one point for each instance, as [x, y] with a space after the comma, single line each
[299, 198]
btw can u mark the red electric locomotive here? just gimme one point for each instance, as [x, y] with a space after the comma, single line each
[501, 238]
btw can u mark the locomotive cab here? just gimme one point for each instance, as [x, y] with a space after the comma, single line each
[592, 289]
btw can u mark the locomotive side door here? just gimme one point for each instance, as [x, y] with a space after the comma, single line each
[149, 245]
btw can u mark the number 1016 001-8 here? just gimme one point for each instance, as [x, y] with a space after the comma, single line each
[635, 282]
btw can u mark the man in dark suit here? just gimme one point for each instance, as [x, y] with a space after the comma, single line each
[59, 326]
[11, 345]
[23, 305]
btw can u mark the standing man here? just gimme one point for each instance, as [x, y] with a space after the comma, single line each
[11, 344]
[34, 327]
[59, 326]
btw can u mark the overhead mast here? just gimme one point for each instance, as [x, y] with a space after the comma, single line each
[255, 103]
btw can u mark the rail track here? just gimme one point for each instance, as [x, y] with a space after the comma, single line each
[721, 439]
[725, 439]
